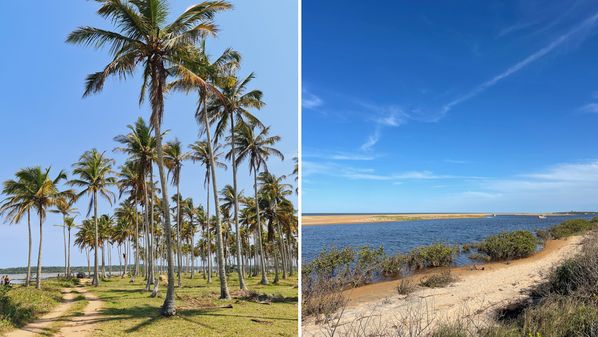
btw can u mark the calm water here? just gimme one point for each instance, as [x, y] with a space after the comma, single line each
[403, 236]
[20, 278]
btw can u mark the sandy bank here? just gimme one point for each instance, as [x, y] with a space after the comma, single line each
[312, 220]
[476, 295]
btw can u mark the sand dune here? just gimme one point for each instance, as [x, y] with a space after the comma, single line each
[311, 220]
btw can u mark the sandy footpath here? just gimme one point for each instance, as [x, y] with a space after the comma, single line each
[312, 220]
[67, 325]
[475, 295]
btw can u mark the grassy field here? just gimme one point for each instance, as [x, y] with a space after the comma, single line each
[20, 305]
[130, 311]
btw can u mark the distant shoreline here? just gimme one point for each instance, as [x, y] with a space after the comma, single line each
[320, 219]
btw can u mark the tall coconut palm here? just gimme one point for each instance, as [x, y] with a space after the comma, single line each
[174, 156]
[254, 144]
[94, 171]
[18, 202]
[85, 239]
[276, 190]
[200, 152]
[130, 180]
[65, 207]
[146, 39]
[237, 101]
[44, 194]
[201, 75]
[140, 146]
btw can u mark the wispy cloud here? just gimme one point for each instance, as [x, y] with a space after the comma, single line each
[309, 100]
[340, 156]
[386, 116]
[372, 140]
[589, 22]
[589, 108]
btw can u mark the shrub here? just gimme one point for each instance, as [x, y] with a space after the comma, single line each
[509, 245]
[392, 265]
[369, 262]
[558, 316]
[572, 227]
[405, 287]
[438, 280]
[436, 255]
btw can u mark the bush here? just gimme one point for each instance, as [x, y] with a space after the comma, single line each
[436, 255]
[369, 262]
[572, 227]
[405, 287]
[509, 245]
[393, 265]
[559, 316]
[438, 280]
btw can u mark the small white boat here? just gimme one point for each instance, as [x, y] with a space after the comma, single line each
[541, 217]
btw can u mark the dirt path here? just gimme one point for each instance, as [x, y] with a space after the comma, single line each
[59, 322]
[474, 296]
[82, 325]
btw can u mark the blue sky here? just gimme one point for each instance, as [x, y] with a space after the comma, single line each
[46, 122]
[470, 106]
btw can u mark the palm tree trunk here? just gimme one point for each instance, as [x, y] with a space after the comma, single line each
[259, 229]
[68, 268]
[236, 200]
[88, 263]
[28, 279]
[96, 279]
[178, 232]
[38, 283]
[192, 251]
[209, 236]
[224, 294]
[136, 240]
[64, 241]
[157, 103]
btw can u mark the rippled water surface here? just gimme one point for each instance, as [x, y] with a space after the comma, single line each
[403, 236]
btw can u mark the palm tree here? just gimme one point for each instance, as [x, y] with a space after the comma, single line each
[276, 191]
[18, 201]
[236, 102]
[201, 75]
[256, 148]
[85, 239]
[94, 171]
[140, 146]
[65, 206]
[173, 159]
[69, 223]
[43, 194]
[145, 38]
[200, 152]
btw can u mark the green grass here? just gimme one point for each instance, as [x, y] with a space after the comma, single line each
[130, 311]
[20, 305]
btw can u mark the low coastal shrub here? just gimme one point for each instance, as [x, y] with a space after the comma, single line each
[438, 280]
[405, 287]
[368, 265]
[509, 245]
[435, 255]
[572, 227]
[393, 265]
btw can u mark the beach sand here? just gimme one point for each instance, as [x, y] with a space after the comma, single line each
[475, 296]
[312, 220]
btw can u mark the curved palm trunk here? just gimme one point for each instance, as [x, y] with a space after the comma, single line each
[259, 229]
[224, 294]
[192, 249]
[28, 279]
[178, 232]
[96, 279]
[236, 200]
[38, 283]
[209, 237]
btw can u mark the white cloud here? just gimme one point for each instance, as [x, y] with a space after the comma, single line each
[372, 140]
[309, 100]
[590, 108]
